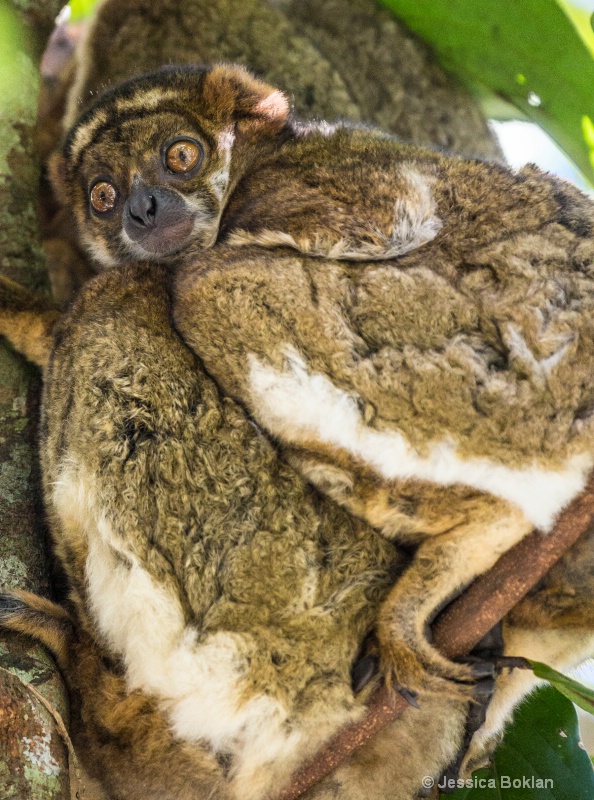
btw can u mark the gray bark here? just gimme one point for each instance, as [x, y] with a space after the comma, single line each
[33, 757]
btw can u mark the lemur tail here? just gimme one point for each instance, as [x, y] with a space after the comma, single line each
[27, 321]
[40, 618]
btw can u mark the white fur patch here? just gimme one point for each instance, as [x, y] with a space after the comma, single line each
[202, 682]
[275, 106]
[323, 127]
[219, 180]
[206, 226]
[415, 223]
[98, 251]
[540, 368]
[415, 219]
[296, 405]
[219, 183]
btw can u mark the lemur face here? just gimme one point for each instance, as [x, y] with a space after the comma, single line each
[148, 169]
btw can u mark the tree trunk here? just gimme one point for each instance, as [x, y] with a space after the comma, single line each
[33, 755]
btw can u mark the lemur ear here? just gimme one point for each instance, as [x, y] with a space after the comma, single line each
[237, 94]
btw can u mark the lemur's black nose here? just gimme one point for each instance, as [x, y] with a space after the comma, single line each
[156, 218]
[142, 203]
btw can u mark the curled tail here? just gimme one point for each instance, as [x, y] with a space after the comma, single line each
[38, 617]
[27, 320]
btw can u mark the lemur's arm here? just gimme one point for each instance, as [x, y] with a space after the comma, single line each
[27, 320]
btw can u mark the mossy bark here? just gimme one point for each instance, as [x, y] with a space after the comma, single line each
[33, 757]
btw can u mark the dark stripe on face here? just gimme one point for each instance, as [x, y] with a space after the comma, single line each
[180, 78]
[117, 120]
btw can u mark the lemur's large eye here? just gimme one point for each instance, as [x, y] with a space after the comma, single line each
[183, 155]
[103, 196]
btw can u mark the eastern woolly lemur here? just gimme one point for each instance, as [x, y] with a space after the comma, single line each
[191, 156]
[443, 392]
[384, 75]
[125, 741]
[218, 601]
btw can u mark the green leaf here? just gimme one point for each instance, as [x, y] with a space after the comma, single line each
[81, 9]
[579, 694]
[527, 52]
[582, 20]
[540, 758]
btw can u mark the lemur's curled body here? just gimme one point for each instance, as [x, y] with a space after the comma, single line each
[426, 357]
[441, 390]
[125, 741]
[228, 596]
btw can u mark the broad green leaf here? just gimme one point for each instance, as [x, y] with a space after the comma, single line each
[582, 20]
[579, 694]
[527, 52]
[540, 758]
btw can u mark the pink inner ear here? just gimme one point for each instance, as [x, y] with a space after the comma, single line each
[275, 106]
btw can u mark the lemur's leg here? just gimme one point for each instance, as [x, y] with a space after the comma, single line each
[27, 321]
[442, 567]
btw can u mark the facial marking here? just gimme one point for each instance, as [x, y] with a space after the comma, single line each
[85, 134]
[219, 180]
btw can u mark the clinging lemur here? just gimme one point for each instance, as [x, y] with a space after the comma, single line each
[384, 76]
[442, 392]
[191, 156]
[124, 738]
[228, 599]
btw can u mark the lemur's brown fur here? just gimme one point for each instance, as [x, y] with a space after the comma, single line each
[382, 75]
[262, 177]
[344, 59]
[200, 566]
[426, 358]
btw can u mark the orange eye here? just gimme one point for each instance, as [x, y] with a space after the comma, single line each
[182, 156]
[103, 196]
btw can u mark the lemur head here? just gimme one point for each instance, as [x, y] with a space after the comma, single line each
[148, 168]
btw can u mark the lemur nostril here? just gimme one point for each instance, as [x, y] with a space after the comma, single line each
[142, 204]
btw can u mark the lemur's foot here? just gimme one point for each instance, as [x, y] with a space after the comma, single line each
[412, 671]
[479, 753]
